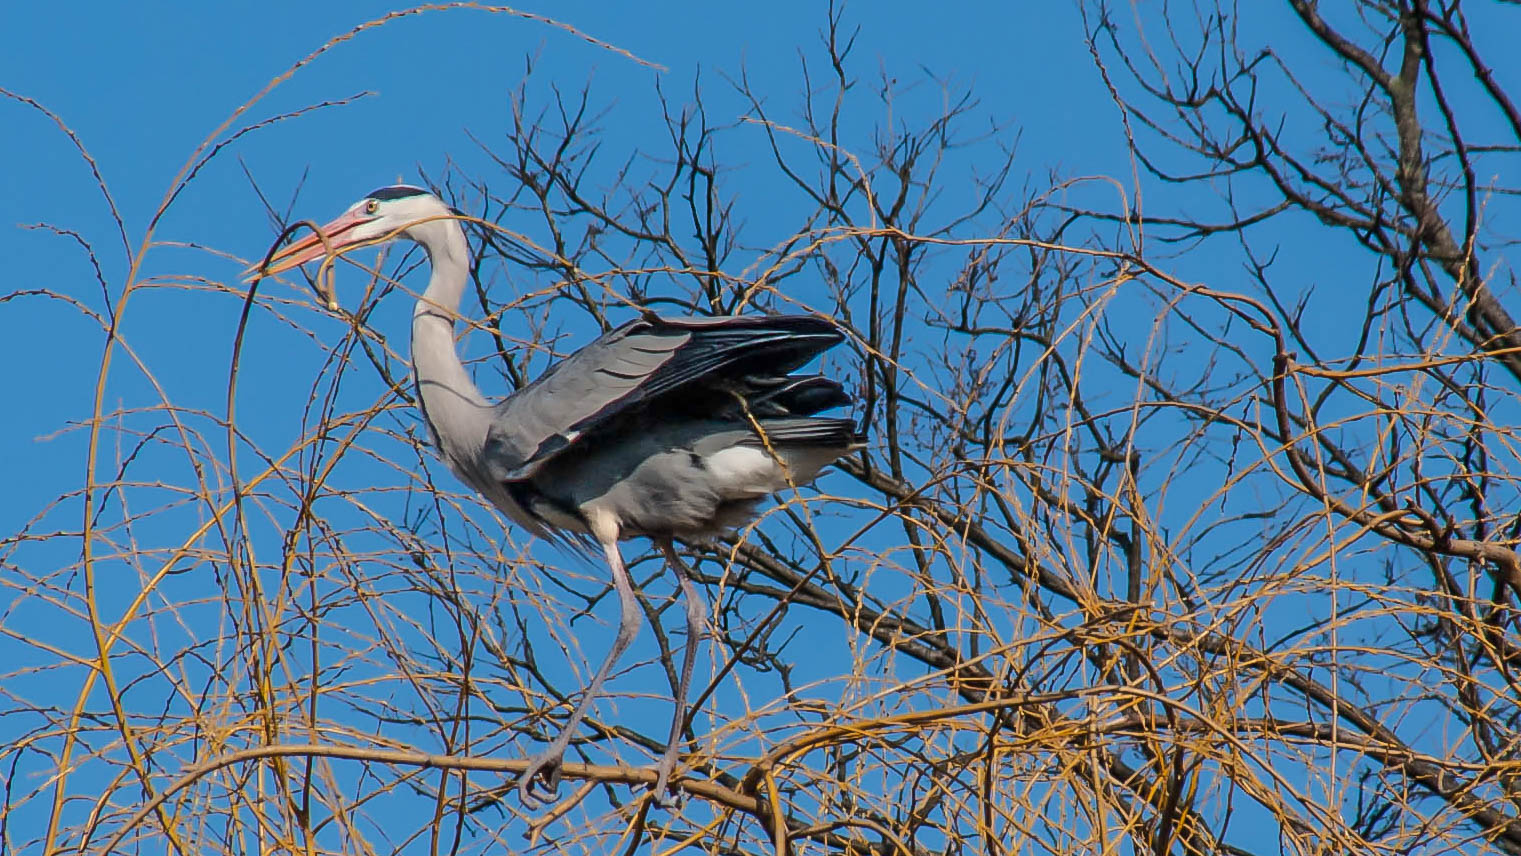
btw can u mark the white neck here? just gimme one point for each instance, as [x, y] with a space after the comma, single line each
[455, 409]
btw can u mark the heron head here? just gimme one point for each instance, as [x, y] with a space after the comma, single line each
[382, 215]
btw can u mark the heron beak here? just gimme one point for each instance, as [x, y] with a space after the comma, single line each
[312, 246]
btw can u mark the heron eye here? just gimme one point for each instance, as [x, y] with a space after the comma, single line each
[371, 206]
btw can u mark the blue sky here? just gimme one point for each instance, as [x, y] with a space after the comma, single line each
[143, 84]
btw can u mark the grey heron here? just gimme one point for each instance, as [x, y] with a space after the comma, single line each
[663, 427]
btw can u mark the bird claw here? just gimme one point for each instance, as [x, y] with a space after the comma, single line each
[539, 785]
[666, 796]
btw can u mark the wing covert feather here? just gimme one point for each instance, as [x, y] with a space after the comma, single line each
[633, 365]
[547, 415]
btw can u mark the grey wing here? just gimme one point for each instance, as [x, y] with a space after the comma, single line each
[636, 365]
[548, 415]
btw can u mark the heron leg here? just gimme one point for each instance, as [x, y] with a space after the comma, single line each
[543, 771]
[696, 607]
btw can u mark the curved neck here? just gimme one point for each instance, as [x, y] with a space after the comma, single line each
[456, 412]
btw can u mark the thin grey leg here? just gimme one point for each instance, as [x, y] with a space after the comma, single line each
[543, 770]
[697, 608]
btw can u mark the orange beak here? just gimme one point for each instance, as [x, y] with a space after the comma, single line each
[313, 246]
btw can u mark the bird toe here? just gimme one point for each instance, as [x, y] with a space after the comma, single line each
[540, 783]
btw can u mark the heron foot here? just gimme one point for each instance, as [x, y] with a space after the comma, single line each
[665, 796]
[539, 785]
